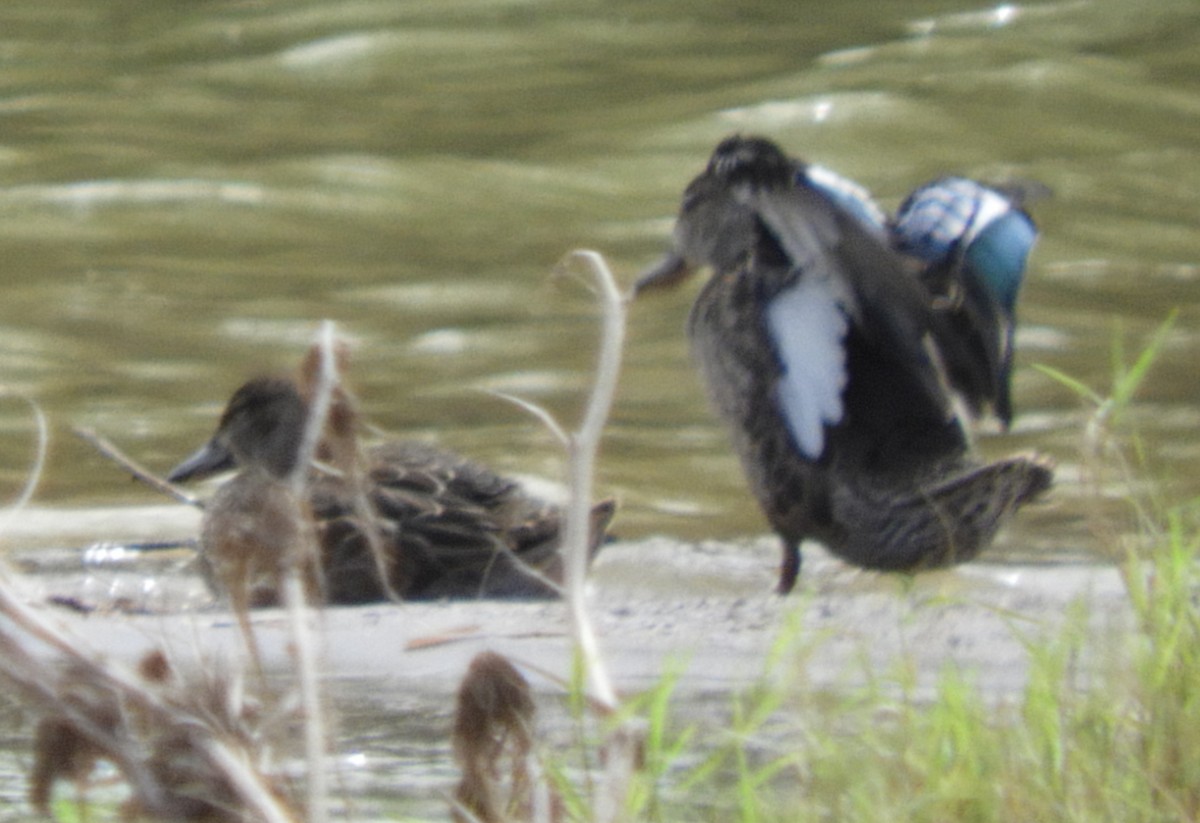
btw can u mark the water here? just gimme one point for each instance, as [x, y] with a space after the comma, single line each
[187, 188]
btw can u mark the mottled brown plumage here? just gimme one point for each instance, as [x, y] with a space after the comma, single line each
[402, 518]
[821, 349]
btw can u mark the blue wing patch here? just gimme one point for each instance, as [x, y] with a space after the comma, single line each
[956, 216]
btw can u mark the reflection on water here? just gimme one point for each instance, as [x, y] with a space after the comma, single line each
[187, 188]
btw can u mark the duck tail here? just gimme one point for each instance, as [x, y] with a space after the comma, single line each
[944, 522]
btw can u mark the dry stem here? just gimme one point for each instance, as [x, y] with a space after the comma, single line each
[109, 450]
[582, 449]
[621, 750]
[294, 597]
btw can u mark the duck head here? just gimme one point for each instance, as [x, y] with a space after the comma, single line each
[729, 214]
[261, 426]
[716, 227]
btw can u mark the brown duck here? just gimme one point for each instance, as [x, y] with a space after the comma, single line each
[838, 358]
[403, 518]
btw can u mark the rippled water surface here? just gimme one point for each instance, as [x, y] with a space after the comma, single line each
[187, 188]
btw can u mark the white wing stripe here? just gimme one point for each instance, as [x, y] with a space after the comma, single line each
[808, 324]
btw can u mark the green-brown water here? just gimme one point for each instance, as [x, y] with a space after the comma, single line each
[188, 187]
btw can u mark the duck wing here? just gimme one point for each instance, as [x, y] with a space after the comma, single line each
[842, 287]
[974, 242]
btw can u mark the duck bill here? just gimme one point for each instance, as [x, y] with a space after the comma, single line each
[208, 460]
[670, 271]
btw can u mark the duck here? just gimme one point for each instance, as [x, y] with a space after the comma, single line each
[849, 353]
[401, 520]
[257, 527]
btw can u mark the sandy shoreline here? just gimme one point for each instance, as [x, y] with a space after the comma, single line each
[660, 604]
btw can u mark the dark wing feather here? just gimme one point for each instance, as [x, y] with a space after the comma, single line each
[886, 304]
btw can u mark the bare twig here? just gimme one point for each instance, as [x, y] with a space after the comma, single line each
[39, 458]
[622, 748]
[341, 457]
[107, 449]
[584, 444]
[294, 595]
[621, 751]
[537, 411]
[42, 446]
[318, 407]
[526, 569]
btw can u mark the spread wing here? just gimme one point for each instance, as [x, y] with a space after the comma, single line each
[843, 278]
[974, 242]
